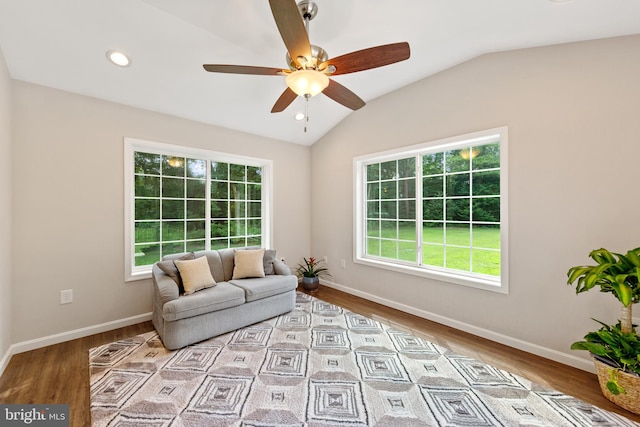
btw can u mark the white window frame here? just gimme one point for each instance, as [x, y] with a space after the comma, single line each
[131, 145]
[491, 283]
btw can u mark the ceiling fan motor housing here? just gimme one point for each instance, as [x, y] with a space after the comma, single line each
[318, 56]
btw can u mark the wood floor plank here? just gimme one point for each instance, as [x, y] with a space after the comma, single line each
[60, 373]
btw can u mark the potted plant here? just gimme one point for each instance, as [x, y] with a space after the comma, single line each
[616, 348]
[310, 273]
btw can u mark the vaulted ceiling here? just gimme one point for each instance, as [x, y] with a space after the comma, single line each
[62, 44]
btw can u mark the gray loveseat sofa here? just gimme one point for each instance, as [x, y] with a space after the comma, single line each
[232, 303]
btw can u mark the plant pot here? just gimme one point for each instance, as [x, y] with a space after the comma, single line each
[310, 283]
[629, 381]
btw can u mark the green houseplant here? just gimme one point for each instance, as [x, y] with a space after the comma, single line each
[310, 273]
[615, 348]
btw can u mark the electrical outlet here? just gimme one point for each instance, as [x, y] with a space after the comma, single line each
[66, 296]
[326, 261]
[343, 263]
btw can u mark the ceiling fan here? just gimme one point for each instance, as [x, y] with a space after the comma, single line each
[309, 65]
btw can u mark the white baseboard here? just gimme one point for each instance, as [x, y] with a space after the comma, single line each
[547, 353]
[23, 346]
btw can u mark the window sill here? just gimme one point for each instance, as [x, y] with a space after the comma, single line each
[477, 282]
[140, 275]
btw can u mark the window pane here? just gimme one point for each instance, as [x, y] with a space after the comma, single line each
[254, 241]
[173, 248]
[458, 185]
[237, 191]
[196, 188]
[254, 227]
[147, 209]
[486, 236]
[455, 161]
[147, 232]
[388, 210]
[407, 167]
[407, 251]
[196, 245]
[488, 157]
[432, 164]
[373, 228]
[196, 230]
[146, 254]
[458, 209]
[237, 227]
[196, 209]
[432, 186]
[373, 247]
[407, 231]
[373, 209]
[254, 174]
[373, 172]
[219, 171]
[458, 258]
[196, 168]
[146, 163]
[219, 228]
[388, 189]
[219, 190]
[486, 262]
[486, 183]
[433, 232]
[389, 249]
[254, 192]
[407, 189]
[173, 166]
[254, 209]
[389, 229]
[237, 172]
[406, 209]
[486, 209]
[172, 209]
[433, 209]
[433, 255]
[147, 186]
[173, 187]
[172, 230]
[219, 209]
[237, 209]
[458, 235]
[388, 170]
[373, 191]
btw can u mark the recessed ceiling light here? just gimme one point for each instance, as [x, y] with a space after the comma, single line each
[299, 116]
[118, 58]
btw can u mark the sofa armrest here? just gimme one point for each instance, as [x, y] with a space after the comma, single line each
[280, 268]
[164, 286]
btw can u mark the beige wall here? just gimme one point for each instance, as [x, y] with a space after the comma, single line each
[572, 114]
[5, 209]
[68, 204]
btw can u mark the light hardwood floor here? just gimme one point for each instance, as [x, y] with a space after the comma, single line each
[60, 373]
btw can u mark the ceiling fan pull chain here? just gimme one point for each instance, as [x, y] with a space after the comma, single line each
[306, 112]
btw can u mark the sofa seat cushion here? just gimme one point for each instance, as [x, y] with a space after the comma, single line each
[258, 288]
[221, 296]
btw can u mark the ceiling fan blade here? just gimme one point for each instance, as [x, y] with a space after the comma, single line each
[292, 29]
[283, 102]
[343, 96]
[243, 69]
[366, 59]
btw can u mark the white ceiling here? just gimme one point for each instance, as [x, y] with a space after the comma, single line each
[62, 44]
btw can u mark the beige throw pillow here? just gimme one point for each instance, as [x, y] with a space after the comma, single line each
[248, 263]
[195, 274]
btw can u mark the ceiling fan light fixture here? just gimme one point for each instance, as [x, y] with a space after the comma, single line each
[307, 83]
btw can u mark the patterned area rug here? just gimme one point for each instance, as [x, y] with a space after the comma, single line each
[319, 365]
